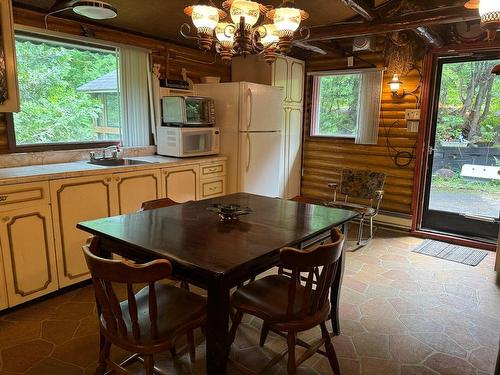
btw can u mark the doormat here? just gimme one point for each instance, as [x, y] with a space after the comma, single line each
[455, 253]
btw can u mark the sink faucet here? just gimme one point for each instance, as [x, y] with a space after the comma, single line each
[107, 153]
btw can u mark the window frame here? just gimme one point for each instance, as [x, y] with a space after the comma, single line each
[315, 92]
[70, 40]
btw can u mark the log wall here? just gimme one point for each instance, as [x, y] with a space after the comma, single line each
[171, 57]
[324, 158]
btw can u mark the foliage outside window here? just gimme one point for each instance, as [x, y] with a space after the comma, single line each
[335, 105]
[469, 104]
[69, 93]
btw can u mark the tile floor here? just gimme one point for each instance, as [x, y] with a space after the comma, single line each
[402, 313]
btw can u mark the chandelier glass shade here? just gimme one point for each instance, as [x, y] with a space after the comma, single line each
[489, 10]
[250, 28]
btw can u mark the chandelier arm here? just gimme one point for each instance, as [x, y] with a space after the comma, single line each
[305, 33]
[185, 31]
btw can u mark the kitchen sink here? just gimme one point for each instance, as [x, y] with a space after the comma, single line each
[118, 162]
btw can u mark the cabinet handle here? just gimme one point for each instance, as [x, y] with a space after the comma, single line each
[3, 198]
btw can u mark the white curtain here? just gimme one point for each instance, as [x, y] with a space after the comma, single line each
[370, 97]
[135, 105]
[155, 101]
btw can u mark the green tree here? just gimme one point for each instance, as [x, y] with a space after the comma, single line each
[52, 110]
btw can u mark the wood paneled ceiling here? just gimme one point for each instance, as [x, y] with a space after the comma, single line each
[162, 18]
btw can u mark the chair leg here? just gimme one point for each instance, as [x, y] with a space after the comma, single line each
[173, 351]
[371, 227]
[292, 366]
[149, 364]
[192, 347]
[236, 322]
[263, 334]
[104, 349]
[185, 285]
[330, 351]
[360, 232]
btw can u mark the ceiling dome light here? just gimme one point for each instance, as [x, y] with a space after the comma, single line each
[249, 10]
[489, 10]
[97, 10]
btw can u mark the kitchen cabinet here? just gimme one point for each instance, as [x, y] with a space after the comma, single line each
[181, 184]
[28, 254]
[288, 73]
[75, 200]
[134, 188]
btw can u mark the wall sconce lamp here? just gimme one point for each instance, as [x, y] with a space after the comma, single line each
[395, 85]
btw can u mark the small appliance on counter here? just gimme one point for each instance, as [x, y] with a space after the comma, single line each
[182, 142]
[188, 111]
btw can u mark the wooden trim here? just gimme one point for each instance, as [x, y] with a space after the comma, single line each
[13, 147]
[428, 72]
[61, 225]
[12, 256]
[454, 240]
[438, 16]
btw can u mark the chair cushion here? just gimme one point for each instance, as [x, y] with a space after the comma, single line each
[364, 210]
[267, 298]
[177, 309]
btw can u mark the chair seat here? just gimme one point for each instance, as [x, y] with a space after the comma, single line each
[364, 210]
[267, 299]
[177, 310]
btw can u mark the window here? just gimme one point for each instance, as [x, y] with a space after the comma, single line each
[347, 104]
[69, 92]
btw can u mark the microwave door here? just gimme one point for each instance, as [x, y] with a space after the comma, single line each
[196, 143]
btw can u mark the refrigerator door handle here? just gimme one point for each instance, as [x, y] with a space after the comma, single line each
[250, 108]
[249, 153]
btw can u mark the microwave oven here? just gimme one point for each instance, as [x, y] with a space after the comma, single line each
[188, 111]
[184, 142]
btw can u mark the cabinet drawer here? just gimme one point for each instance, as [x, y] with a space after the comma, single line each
[23, 195]
[213, 170]
[213, 188]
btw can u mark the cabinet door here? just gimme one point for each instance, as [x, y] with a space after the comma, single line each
[181, 184]
[75, 200]
[134, 188]
[296, 82]
[280, 75]
[294, 154]
[28, 253]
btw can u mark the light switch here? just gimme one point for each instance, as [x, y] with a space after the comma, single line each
[412, 114]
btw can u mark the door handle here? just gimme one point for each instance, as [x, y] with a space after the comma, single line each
[250, 108]
[249, 154]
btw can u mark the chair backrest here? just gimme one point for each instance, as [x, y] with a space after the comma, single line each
[361, 183]
[158, 203]
[319, 266]
[106, 272]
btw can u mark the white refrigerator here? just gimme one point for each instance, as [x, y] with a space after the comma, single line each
[250, 119]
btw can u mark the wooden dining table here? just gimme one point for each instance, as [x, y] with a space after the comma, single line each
[217, 255]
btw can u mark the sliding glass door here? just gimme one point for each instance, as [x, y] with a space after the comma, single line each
[463, 179]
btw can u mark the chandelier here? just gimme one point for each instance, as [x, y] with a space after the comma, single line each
[240, 33]
[489, 10]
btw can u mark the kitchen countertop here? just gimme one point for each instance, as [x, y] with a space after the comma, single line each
[34, 173]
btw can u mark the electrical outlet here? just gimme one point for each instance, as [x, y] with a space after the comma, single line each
[412, 114]
[412, 126]
[350, 61]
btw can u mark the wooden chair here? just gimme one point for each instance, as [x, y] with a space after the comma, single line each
[287, 306]
[366, 186]
[147, 322]
[160, 203]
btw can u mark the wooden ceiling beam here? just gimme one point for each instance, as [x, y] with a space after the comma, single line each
[430, 36]
[361, 8]
[439, 16]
